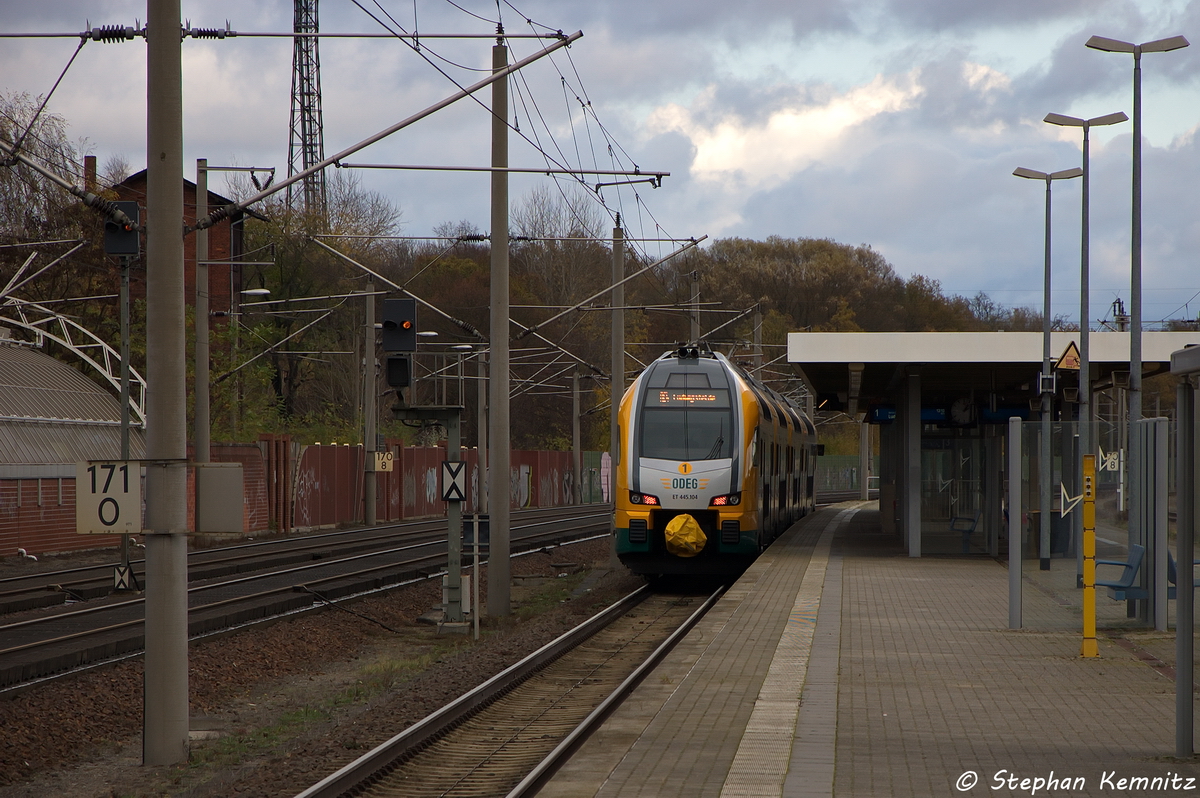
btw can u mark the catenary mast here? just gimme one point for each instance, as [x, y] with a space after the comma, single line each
[306, 146]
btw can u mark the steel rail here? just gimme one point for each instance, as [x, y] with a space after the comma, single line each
[376, 763]
[198, 608]
[315, 606]
[569, 744]
[196, 590]
[414, 736]
[245, 599]
[229, 557]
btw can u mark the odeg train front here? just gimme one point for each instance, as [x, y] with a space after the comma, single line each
[712, 466]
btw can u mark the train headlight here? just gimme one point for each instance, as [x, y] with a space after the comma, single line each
[643, 498]
[726, 500]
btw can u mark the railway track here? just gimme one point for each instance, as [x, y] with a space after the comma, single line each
[505, 736]
[62, 640]
[51, 588]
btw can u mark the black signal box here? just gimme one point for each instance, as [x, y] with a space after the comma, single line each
[399, 325]
[399, 371]
[120, 238]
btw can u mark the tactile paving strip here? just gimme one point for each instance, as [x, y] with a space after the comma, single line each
[761, 762]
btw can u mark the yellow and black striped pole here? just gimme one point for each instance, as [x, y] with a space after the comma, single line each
[1089, 647]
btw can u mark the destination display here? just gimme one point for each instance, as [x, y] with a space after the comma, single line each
[687, 398]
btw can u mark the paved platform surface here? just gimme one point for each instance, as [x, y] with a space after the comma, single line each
[838, 666]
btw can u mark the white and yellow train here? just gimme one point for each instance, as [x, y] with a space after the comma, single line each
[712, 466]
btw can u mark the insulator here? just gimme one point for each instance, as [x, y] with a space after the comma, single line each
[219, 215]
[207, 33]
[111, 33]
[107, 207]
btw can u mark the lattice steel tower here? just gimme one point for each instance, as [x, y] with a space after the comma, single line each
[307, 143]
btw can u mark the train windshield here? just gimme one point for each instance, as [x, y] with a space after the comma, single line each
[679, 425]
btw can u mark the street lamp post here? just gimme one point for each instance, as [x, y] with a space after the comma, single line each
[1046, 378]
[1135, 248]
[1085, 312]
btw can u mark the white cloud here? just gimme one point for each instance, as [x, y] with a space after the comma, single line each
[895, 124]
[764, 154]
[983, 78]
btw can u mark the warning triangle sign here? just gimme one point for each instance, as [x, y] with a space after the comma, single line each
[1069, 359]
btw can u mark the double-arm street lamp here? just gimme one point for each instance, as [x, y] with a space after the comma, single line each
[1046, 378]
[1085, 313]
[1135, 255]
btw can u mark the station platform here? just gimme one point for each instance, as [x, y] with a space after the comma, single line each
[839, 666]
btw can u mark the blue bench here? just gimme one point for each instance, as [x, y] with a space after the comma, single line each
[1172, 575]
[965, 525]
[1123, 588]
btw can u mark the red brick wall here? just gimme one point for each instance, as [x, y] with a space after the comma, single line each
[44, 525]
[48, 525]
[221, 282]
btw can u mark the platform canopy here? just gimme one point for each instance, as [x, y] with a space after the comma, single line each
[856, 370]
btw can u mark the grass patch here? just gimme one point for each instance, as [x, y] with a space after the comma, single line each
[232, 749]
[377, 676]
[548, 596]
[386, 671]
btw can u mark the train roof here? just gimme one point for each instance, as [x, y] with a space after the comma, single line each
[773, 402]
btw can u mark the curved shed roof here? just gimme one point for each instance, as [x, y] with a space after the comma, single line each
[52, 414]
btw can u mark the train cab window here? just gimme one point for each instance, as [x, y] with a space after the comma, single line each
[686, 424]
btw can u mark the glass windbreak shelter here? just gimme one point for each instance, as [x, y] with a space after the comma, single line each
[953, 485]
[1134, 542]
[968, 496]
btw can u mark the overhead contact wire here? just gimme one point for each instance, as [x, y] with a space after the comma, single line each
[38, 113]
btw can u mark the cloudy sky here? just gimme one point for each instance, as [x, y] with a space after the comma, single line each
[891, 123]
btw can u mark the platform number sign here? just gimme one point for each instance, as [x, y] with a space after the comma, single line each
[108, 497]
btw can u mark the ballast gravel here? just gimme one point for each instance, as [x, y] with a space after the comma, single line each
[276, 708]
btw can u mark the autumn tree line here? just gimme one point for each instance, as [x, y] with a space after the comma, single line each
[296, 361]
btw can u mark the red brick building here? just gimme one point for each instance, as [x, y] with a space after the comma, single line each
[225, 247]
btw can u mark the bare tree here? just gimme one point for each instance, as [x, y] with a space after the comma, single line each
[561, 252]
[32, 207]
[116, 169]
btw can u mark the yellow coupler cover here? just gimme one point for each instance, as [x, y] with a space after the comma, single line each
[684, 536]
